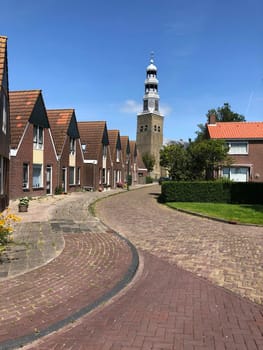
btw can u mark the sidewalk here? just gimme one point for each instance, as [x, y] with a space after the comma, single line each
[88, 264]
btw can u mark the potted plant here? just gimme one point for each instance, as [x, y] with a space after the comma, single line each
[23, 204]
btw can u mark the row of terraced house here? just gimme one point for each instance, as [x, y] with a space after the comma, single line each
[47, 151]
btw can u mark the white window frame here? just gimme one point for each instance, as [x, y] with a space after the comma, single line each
[235, 148]
[39, 183]
[72, 172]
[25, 184]
[4, 121]
[72, 145]
[118, 155]
[38, 137]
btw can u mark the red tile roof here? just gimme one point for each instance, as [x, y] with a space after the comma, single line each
[59, 120]
[113, 138]
[124, 144]
[91, 134]
[3, 45]
[236, 130]
[22, 104]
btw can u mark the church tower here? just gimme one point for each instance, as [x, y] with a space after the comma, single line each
[149, 137]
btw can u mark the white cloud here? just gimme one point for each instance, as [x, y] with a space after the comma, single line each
[165, 109]
[131, 106]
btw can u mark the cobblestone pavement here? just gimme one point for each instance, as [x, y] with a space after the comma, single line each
[167, 307]
[93, 262]
[228, 255]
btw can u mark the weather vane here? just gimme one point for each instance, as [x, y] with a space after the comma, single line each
[152, 56]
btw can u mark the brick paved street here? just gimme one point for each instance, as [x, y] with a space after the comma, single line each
[167, 307]
[92, 263]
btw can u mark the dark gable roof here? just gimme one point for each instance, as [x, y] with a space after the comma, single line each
[133, 148]
[25, 106]
[93, 134]
[114, 139]
[3, 62]
[63, 123]
[125, 146]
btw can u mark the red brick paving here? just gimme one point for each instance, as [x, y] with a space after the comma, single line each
[166, 308]
[89, 266]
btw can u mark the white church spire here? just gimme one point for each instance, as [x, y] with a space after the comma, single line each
[151, 97]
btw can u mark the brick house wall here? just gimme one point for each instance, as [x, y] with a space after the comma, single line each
[25, 156]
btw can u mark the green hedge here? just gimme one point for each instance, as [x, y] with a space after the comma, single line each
[247, 192]
[212, 191]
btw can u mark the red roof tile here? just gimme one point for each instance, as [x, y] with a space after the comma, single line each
[22, 104]
[91, 134]
[59, 120]
[3, 45]
[236, 130]
[113, 138]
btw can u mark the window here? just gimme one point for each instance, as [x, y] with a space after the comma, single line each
[71, 175]
[4, 115]
[118, 154]
[238, 148]
[155, 128]
[141, 128]
[37, 176]
[104, 151]
[238, 174]
[83, 146]
[145, 127]
[72, 145]
[104, 176]
[145, 104]
[25, 176]
[1, 175]
[38, 137]
[78, 176]
[156, 107]
[159, 129]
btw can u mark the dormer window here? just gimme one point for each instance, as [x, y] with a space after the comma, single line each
[4, 121]
[118, 155]
[104, 151]
[38, 137]
[72, 146]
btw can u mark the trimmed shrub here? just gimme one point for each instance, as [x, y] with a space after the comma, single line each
[247, 192]
[212, 191]
[201, 191]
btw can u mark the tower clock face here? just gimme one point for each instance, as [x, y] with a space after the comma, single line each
[151, 105]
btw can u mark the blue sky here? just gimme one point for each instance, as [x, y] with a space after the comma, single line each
[92, 56]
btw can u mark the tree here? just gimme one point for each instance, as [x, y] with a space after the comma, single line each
[222, 114]
[149, 161]
[207, 157]
[174, 158]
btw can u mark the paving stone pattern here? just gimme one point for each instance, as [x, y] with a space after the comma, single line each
[167, 307]
[93, 261]
[228, 255]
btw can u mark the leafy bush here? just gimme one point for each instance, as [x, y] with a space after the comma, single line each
[6, 228]
[201, 191]
[58, 190]
[212, 191]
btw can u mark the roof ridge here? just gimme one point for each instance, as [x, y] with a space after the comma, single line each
[33, 90]
[59, 109]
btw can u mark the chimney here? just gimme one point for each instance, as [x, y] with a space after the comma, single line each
[212, 119]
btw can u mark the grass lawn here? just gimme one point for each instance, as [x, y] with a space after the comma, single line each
[242, 213]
